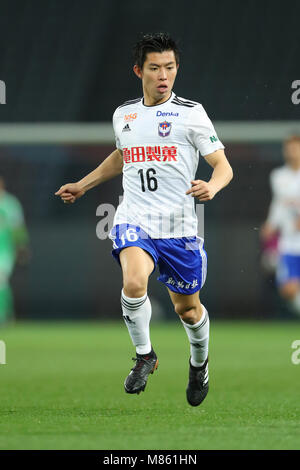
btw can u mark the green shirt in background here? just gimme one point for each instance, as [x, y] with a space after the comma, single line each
[13, 232]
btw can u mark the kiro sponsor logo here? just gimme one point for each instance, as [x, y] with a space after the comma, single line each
[161, 113]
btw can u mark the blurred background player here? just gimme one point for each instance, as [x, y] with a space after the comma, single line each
[283, 222]
[13, 246]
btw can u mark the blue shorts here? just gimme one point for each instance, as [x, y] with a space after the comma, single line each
[288, 269]
[182, 262]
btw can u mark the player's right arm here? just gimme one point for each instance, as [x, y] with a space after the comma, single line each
[112, 166]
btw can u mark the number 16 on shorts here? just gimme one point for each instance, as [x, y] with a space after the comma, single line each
[129, 235]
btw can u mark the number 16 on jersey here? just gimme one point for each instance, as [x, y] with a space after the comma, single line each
[151, 181]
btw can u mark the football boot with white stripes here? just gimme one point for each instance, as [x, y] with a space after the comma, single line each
[197, 388]
[137, 379]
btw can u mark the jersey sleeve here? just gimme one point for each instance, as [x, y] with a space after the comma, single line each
[117, 139]
[201, 132]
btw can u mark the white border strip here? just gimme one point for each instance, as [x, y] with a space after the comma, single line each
[102, 133]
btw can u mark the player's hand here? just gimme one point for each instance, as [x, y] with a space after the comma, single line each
[70, 192]
[202, 190]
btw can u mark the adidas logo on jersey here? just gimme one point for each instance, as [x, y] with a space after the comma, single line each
[126, 128]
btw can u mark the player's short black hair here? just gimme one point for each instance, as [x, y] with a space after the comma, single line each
[154, 42]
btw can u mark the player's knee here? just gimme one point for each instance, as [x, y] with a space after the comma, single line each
[189, 315]
[135, 287]
[289, 290]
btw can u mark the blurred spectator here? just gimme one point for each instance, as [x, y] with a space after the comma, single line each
[13, 247]
[283, 222]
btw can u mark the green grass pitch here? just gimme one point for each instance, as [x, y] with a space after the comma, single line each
[62, 388]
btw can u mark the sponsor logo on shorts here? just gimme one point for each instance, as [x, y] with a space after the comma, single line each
[181, 284]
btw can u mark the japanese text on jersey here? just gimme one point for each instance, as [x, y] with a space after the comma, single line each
[147, 153]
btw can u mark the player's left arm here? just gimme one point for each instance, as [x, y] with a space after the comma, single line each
[221, 177]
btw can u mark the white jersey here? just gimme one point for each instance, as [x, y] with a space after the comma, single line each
[285, 208]
[161, 146]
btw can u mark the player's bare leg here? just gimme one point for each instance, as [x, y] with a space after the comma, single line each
[290, 291]
[195, 320]
[188, 307]
[137, 265]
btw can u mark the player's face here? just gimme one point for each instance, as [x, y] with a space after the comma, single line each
[158, 76]
[292, 153]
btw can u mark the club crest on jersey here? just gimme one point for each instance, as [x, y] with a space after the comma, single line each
[164, 128]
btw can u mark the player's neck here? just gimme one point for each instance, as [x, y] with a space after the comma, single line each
[295, 167]
[150, 101]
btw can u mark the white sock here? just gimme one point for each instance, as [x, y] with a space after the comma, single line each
[295, 303]
[198, 335]
[137, 315]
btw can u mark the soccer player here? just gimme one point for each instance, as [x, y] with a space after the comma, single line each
[284, 219]
[158, 140]
[13, 245]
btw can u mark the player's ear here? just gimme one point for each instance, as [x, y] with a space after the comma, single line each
[137, 70]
